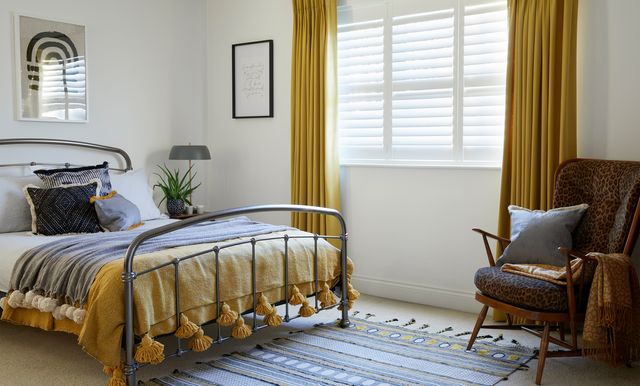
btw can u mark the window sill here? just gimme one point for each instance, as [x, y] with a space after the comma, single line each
[420, 165]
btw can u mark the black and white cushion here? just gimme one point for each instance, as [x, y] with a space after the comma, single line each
[64, 209]
[52, 178]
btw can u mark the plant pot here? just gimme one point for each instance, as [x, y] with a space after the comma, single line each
[175, 206]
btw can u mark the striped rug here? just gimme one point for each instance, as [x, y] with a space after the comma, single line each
[367, 353]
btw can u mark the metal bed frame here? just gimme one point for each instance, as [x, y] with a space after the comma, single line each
[129, 275]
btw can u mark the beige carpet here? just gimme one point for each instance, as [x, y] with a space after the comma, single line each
[32, 357]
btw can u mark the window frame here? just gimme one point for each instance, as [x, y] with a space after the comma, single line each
[457, 136]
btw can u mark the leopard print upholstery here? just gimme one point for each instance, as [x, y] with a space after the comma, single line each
[521, 291]
[612, 190]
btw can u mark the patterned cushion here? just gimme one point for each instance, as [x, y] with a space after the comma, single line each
[65, 209]
[53, 178]
[521, 291]
[612, 189]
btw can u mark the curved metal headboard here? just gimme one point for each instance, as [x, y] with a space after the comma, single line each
[65, 142]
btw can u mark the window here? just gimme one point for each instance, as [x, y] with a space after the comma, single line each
[422, 82]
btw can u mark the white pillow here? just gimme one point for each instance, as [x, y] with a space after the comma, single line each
[134, 187]
[15, 215]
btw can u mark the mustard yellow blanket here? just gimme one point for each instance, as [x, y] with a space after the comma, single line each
[550, 273]
[100, 335]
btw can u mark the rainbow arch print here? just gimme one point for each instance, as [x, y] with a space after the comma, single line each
[52, 67]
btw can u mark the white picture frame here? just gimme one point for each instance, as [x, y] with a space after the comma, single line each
[50, 70]
[252, 79]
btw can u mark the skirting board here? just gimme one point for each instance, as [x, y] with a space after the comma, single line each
[416, 293]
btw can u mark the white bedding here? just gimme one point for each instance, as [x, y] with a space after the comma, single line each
[13, 245]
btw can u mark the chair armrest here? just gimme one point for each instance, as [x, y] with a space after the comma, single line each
[569, 255]
[485, 236]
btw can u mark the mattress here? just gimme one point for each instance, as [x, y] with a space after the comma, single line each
[13, 245]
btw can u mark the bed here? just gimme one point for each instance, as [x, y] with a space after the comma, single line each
[186, 282]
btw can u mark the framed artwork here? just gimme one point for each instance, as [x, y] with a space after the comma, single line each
[51, 70]
[252, 79]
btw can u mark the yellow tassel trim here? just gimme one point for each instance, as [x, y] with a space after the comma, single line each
[240, 330]
[134, 226]
[273, 319]
[117, 378]
[227, 315]
[353, 293]
[349, 303]
[187, 328]
[149, 351]
[296, 297]
[200, 342]
[326, 297]
[93, 199]
[263, 307]
[306, 310]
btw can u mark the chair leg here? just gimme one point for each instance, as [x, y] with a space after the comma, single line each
[509, 319]
[481, 316]
[542, 355]
[573, 326]
[561, 330]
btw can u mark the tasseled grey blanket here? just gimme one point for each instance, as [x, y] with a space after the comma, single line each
[65, 269]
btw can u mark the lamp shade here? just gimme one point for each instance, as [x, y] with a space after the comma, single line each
[189, 152]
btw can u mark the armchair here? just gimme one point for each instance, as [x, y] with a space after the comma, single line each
[612, 190]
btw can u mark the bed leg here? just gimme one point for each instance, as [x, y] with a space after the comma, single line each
[130, 367]
[344, 322]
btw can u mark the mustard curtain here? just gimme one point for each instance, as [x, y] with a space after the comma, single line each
[540, 120]
[540, 126]
[315, 178]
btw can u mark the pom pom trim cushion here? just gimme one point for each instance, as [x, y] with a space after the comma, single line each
[64, 209]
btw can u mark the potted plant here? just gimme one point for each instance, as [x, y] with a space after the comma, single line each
[176, 188]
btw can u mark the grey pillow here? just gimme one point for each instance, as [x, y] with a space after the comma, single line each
[15, 215]
[536, 235]
[116, 213]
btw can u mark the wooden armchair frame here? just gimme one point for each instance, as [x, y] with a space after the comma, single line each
[576, 292]
[572, 317]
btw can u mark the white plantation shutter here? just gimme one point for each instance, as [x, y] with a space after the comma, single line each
[485, 63]
[422, 81]
[422, 102]
[63, 88]
[360, 89]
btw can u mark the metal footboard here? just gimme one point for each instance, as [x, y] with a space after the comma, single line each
[129, 275]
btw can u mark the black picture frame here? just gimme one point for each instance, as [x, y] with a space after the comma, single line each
[252, 93]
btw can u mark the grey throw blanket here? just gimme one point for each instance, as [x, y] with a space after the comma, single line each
[66, 268]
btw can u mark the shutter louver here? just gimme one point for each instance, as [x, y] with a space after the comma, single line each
[422, 98]
[485, 63]
[360, 89]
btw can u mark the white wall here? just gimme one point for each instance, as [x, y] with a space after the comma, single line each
[251, 160]
[146, 74]
[424, 216]
[608, 84]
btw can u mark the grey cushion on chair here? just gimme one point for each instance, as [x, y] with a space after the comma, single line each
[536, 235]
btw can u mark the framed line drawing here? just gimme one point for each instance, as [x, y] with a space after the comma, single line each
[51, 70]
[252, 79]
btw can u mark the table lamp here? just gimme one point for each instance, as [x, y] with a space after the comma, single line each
[190, 152]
